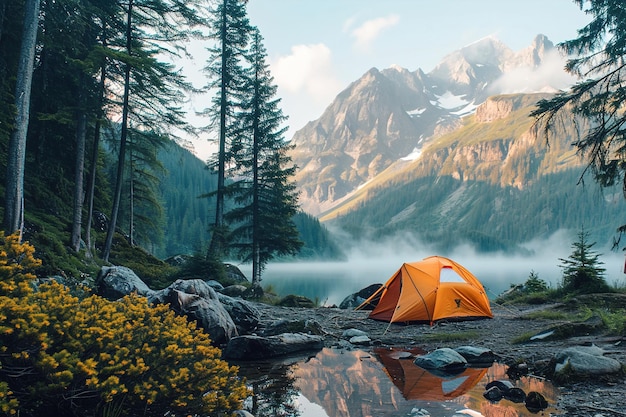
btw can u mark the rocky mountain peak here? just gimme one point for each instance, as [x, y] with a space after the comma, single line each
[387, 114]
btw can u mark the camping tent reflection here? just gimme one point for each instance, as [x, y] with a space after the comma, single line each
[416, 383]
[380, 382]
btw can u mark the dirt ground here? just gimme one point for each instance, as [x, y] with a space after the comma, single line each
[597, 397]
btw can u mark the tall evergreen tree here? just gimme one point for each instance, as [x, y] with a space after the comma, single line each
[152, 89]
[267, 200]
[598, 59]
[14, 192]
[230, 30]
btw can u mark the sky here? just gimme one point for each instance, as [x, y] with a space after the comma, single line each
[316, 48]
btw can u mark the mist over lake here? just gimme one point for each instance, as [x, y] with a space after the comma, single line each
[329, 283]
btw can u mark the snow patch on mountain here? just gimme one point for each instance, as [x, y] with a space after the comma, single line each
[415, 154]
[416, 112]
[450, 101]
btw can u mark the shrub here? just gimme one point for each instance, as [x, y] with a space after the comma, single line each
[61, 355]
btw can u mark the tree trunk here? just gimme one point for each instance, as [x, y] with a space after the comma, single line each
[131, 201]
[122, 153]
[79, 193]
[3, 7]
[14, 192]
[216, 247]
[96, 148]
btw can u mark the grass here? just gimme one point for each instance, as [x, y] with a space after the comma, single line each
[548, 315]
[522, 338]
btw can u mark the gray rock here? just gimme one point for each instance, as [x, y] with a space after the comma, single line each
[208, 312]
[245, 316]
[356, 299]
[476, 355]
[115, 282]
[293, 326]
[215, 285]
[348, 333]
[251, 347]
[234, 274]
[443, 359]
[234, 290]
[585, 360]
[360, 340]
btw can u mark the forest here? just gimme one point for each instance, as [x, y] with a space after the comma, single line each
[91, 113]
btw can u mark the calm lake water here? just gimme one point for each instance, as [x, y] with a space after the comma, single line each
[355, 383]
[329, 283]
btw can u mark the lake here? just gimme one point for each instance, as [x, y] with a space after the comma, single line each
[328, 283]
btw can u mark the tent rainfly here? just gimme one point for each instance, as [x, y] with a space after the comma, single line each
[435, 288]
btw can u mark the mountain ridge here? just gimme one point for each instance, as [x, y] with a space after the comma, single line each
[387, 114]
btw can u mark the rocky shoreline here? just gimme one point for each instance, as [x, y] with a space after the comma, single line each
[229, 320]
[598, 396]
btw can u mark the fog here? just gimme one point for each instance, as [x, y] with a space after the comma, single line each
[367, 263]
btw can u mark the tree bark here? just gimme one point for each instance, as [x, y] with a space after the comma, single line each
[96, 147]
[14, 192]
[79, 193]
[122, 153]
[216, 247]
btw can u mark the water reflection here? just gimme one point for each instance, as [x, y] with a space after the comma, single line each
[342, 383]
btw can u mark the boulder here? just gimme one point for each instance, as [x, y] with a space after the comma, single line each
[251, 347]
[477, 356]
[234, 290]
[208, 312]
[584, 361]
[215, 285]
[356, 299]
[115, 282]
[234, 274]
[245, 316]
[360, 340]
[348, 333]
[295, 301]
[293, 326]
[445, 360]
[535, 402]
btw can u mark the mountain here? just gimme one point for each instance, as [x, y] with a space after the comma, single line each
[385, 115]
[493, 183]
[448, 158]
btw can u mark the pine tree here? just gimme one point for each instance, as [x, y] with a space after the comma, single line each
[152, 88]
[230, 29]
[598, 60]
[582, 271]
[267, 200]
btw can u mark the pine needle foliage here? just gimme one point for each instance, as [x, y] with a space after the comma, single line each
[582, 270]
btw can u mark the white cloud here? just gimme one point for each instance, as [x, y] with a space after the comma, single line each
[371, 29]
[549, 76]
[308, 69]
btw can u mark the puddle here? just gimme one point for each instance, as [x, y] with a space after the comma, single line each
[341, 383]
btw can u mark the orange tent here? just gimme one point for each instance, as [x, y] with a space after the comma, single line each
[433, 289]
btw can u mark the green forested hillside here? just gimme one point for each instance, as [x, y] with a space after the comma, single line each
[446, 212]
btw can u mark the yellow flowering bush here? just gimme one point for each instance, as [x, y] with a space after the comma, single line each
[90, 356]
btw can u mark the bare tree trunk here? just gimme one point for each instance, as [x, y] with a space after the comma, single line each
[131, 202]
[3, 7]
[216, 247]
[14, 193]
[122, 153]
[79, 193]
[95, 149]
